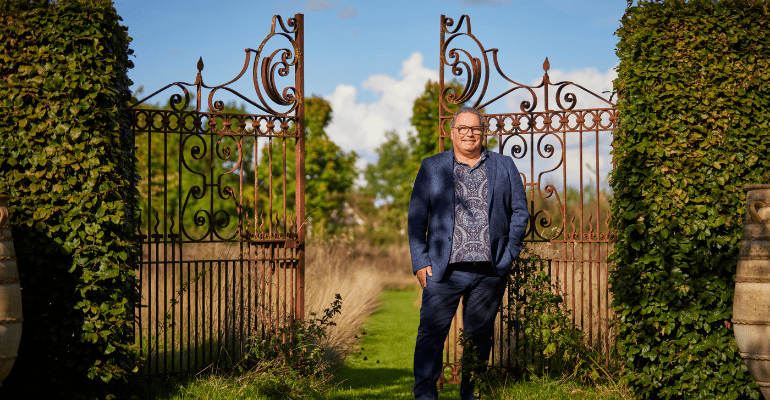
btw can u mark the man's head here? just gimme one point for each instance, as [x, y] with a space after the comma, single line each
[467, 128]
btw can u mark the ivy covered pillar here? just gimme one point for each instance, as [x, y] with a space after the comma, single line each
[694, 109]
[66, 162]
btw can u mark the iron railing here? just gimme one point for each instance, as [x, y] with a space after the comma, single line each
[551, 141]
[222, 212]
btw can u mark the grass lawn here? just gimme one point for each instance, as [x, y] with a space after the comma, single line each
[382, 368]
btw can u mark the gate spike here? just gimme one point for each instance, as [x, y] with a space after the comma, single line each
[546, 65]
[200, 64]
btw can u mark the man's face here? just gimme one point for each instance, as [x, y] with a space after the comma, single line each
[470, 142]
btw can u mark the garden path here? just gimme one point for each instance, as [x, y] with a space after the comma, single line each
[381, 368]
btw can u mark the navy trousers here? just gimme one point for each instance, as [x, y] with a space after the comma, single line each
[482, 291]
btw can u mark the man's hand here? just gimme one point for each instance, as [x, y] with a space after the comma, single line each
[422, 275]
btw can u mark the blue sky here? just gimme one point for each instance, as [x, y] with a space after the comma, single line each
[370, 59]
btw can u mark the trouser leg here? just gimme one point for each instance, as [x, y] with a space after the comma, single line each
[439, 305]
[480, 309]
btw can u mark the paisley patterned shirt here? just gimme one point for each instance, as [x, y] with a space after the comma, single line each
[470, 240]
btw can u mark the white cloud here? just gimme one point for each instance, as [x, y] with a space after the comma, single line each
[318, 5]
[361, 126]
[347, 12]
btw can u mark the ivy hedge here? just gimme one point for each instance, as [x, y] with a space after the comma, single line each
[694, 106]
[66, 162]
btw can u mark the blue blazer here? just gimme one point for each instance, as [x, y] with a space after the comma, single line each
[432, 213]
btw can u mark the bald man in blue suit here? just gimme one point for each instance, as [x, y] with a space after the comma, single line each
[467, 219]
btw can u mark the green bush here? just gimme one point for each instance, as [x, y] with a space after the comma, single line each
[694, 107]
[296, 346]
[554, 345]
[66, 161]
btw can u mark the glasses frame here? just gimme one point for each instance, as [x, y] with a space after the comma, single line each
[470, 130]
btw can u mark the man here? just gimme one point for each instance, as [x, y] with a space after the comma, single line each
[467, 219]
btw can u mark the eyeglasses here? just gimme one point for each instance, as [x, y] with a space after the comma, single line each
[465, 130]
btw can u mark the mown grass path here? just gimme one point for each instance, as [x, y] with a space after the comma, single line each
[381, 368]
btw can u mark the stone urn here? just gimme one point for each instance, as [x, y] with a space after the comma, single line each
[751, 304]
[10, 295]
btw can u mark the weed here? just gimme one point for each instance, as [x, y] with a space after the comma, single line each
[544, 327]
[297, 345]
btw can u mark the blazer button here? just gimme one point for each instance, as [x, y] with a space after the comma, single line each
[449, 239]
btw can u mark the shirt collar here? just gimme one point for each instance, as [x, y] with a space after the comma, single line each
[481, 158]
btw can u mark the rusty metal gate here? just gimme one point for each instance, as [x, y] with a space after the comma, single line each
[557, 148]
[222, 211]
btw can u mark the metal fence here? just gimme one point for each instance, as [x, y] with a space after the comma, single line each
[562, 153]
[222, 211]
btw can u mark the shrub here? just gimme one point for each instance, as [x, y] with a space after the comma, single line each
[694, 111]
[66, 161]
[556, 345]
[298, 345]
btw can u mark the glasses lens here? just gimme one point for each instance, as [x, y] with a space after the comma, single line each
[466, 130]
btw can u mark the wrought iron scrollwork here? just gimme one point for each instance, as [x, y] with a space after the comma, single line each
[280, 62]
[535, 130]
[459, 67]
[214, 137]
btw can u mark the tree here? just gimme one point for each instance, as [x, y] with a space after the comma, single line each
[330, 172]
[425, 114]
[390, 180]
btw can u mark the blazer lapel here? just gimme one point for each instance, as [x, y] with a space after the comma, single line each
[491, 165]
[447, 174]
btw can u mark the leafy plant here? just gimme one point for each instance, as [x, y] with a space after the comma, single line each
[66, 158]
[693, 107]
[541, 325]
[298, 345]
[486, 380]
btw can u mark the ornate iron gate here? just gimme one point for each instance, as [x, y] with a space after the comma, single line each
[569, 214]
[222, 212]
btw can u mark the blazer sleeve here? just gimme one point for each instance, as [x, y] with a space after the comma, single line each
[417, 223]
[519, 211]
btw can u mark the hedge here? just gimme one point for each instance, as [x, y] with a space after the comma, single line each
[66, 162]
[694, 129]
